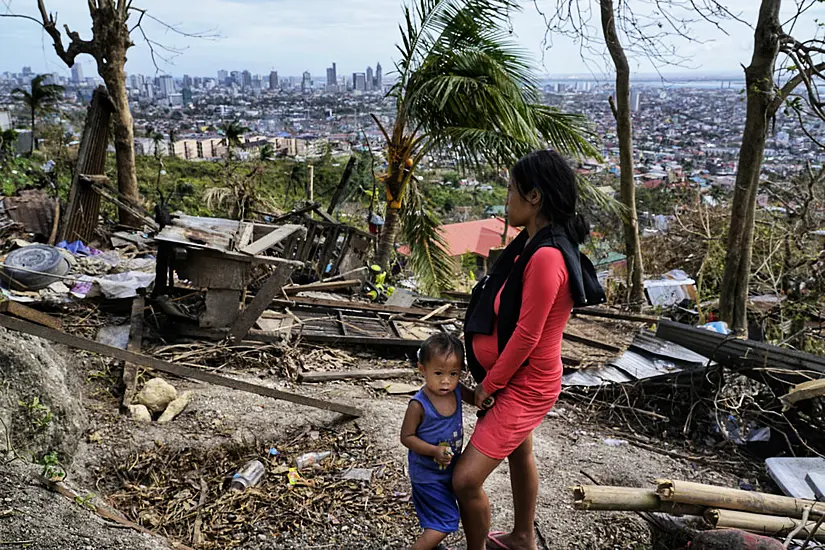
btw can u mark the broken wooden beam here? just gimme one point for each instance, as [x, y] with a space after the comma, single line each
[171, 368]
[21, 311]
[379, 341]
[328, 376]
[594, 312]
[271, 239]
[258, 305]
[135, 344]
[334, 285]
[438, 311]
[803, 392]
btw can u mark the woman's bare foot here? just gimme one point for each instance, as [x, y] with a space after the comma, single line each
[510, 541]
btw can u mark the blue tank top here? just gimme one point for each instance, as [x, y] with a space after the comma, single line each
[436, 429]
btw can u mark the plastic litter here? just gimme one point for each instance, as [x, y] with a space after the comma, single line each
[248, 476]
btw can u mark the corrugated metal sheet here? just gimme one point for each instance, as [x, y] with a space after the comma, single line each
[648, 358]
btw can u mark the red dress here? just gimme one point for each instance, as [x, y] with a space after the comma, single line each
[524, 395]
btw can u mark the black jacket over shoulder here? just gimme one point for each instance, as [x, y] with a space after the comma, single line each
[509, 272]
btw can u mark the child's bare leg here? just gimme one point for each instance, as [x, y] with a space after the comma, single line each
[429, 539]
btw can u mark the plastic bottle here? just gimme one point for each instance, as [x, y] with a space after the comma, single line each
[310, 459]
[248, 476]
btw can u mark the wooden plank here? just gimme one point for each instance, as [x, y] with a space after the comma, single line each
[334, 285]
[170, 368]
[439, 311]
[30, 314]
[343, 324]
[271, 239]
[357, 306]
[613, 315]
[379, 341]
[244, 235]
[258, 305]
[591, 342]
[353, 374]
[135, 344]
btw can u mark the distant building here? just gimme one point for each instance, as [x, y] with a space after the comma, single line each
[379, 77]
[176, 100]
[222, 77]
[273, 80]
[186, 93]
[5, 121]
[332, 76]
[635, 100]
[27, 71]
[77, 73]
[187, 81]
[246, 81]
[359, 82]
[167, 86]
[370, 79]
[306, 82]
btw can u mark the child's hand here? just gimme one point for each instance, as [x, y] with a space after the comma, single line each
[444, 455]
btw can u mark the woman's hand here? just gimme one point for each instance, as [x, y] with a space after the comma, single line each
[483, 399]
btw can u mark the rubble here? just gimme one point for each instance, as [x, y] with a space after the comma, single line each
[157, 394]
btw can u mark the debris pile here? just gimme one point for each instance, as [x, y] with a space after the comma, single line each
[358, 493]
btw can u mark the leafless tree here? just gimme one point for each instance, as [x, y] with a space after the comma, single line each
[111, 39]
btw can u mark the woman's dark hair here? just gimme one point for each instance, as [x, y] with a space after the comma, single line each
[441, 344]
[552, 176]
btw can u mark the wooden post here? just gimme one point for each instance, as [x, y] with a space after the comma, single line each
[311, 191]
[80, 220]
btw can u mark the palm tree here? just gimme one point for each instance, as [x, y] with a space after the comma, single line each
[232, 132]
[465, 90]
[267, 153]
[39, 100]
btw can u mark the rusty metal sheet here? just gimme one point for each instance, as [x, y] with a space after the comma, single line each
[33, 210]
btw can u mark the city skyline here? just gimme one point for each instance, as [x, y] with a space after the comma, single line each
[286, 36]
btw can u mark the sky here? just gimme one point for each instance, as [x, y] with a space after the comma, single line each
[293, 36]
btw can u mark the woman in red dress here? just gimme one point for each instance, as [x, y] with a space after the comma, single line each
[514, 329]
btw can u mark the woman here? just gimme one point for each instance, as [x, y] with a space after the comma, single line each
[513, 328]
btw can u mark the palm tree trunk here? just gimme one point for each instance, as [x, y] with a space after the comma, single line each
[624, 129]
[733, 300]
[32, 145]
[387, 243]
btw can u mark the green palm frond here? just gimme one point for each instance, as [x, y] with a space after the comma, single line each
[42, 97]
[429, 260]
[592, 195]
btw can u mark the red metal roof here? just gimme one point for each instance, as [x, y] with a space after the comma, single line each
[477, 236]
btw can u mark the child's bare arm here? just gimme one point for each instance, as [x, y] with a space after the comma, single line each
[469, 397]
[412, 419]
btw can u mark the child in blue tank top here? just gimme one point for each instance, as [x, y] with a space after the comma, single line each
[433, 433]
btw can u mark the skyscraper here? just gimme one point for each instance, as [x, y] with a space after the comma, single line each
[332, 76]
[379, 77]
[359, 82]
[77, 72]
[247, 79]
[187, 81]
[222, 76]
[167, 86]
[306, 82]
[635, 100]
[370, 79]
[273, 80]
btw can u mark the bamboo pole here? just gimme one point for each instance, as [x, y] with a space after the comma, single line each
[761, 524]
[628, 499]
[711, 496]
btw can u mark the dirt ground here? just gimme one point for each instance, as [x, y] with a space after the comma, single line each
[566, 446]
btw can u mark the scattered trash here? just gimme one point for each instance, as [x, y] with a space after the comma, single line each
[248, 476]
[610, 442]
[34, 267]
[717, 326]
[358, 474]
[311, 459]
[395, 388]
[116, 336]
[294, 477]
[273, 452]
